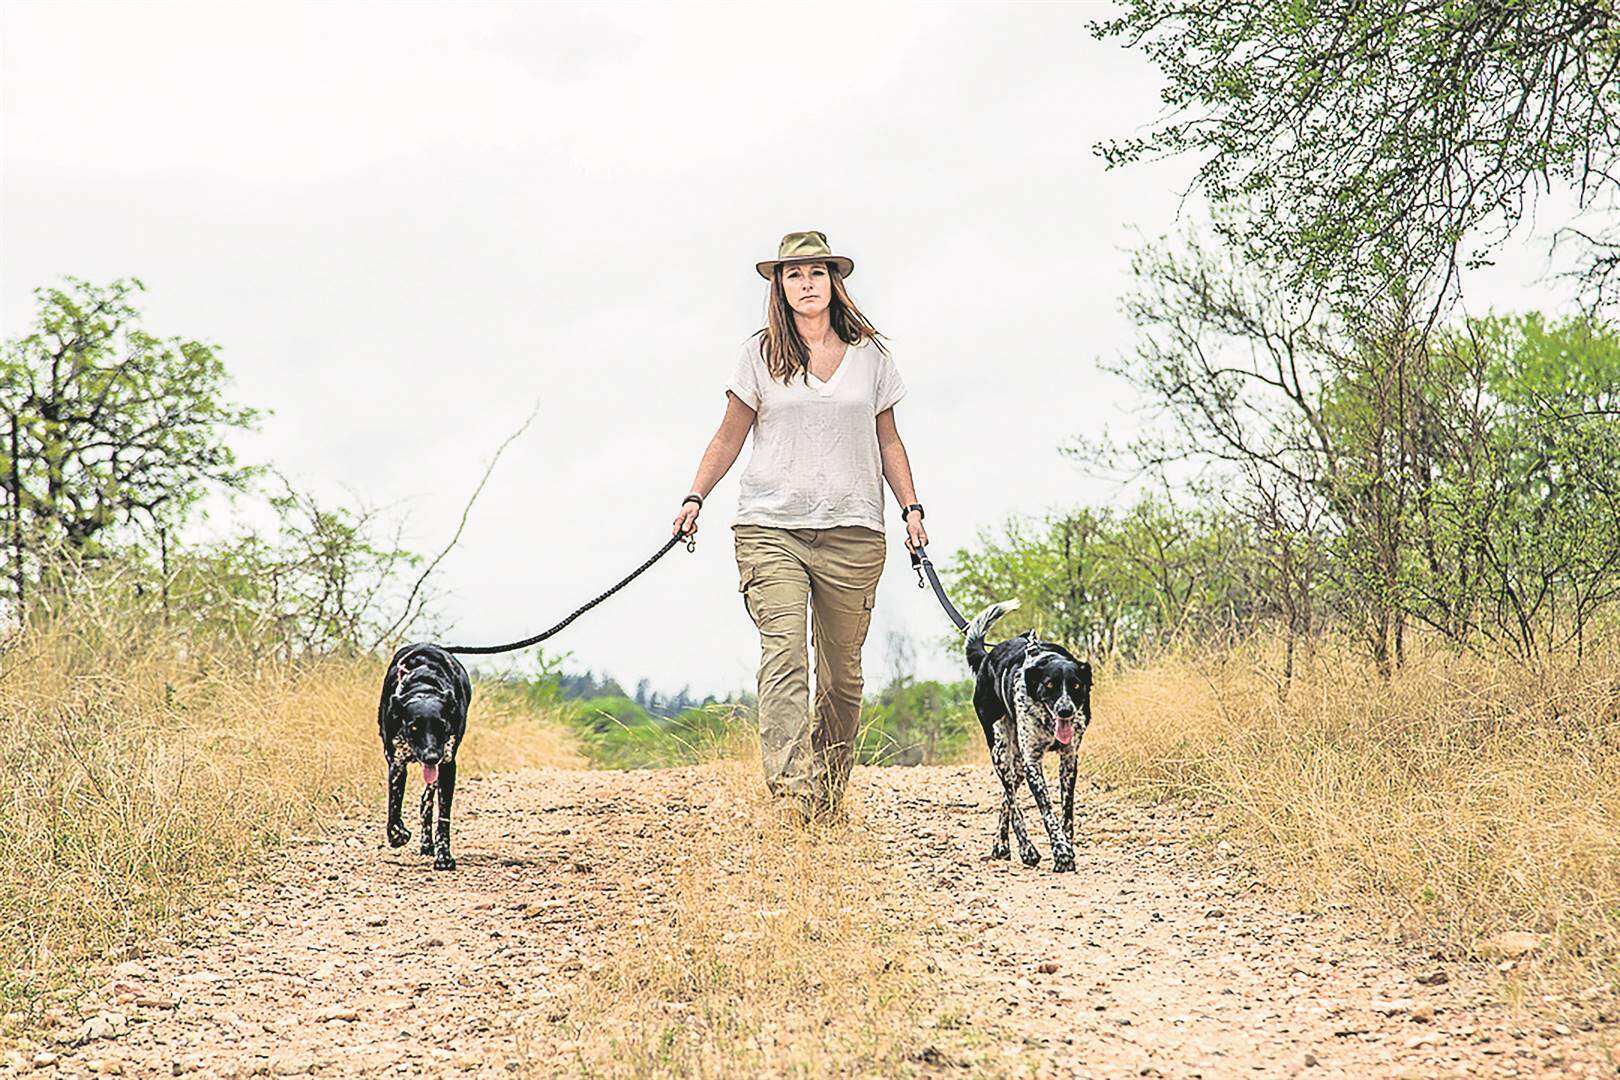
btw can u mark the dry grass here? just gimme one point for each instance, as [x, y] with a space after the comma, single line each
[777, 951]
[1463, 796]
[142, 773]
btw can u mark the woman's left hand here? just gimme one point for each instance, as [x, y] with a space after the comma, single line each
[916, 535]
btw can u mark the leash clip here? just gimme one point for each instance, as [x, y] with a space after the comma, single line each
[691, 542]
[917, 566]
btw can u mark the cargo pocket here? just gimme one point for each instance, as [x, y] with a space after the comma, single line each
[868, 600]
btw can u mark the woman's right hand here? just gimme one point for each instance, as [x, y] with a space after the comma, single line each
[686, 520]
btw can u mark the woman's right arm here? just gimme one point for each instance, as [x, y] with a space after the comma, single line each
[717, 460]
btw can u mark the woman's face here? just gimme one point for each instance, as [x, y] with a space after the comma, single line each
[808, 287]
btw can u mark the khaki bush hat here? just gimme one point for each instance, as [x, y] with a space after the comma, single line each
[803, 247]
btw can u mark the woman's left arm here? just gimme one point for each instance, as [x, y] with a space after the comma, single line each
[897, 471]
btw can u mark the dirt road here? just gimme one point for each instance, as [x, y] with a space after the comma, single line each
[1159, 957]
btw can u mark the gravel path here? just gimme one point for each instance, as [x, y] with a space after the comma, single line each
[1159, 957]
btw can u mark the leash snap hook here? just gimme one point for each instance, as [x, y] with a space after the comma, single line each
[691, 542]
[917, 568]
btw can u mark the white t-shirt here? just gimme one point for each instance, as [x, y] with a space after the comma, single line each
[815, 463]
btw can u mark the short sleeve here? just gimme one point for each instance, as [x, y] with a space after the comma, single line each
[890, 386]
[745, 380]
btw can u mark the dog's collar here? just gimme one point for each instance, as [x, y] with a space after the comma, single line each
[1032, 652]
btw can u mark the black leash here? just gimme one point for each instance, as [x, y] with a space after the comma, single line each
[479, 650]
[921, 563]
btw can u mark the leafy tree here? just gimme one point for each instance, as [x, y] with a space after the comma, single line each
[1327, 428]
[1369, 137]
[1548, 554]
[1120, 584]
[1386, 474]
[106, 425]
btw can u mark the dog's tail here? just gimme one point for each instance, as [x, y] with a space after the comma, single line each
[976, 631]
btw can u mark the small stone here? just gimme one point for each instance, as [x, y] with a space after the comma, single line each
[1215, 913]
[1422, 1013]
[106, 1025]
[1310, 1060]
[340, 1012]
[1390, 1008]
[1434, 978]
[1047, 967]
[45, 1059]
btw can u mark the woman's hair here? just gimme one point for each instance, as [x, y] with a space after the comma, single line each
[785, 352]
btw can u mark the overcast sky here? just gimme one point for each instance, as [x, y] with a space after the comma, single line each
[405, 224]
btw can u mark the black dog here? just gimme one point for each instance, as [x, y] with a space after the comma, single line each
[422, 717]
[1031, 696]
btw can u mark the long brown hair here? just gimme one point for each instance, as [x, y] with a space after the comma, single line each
[784, 350]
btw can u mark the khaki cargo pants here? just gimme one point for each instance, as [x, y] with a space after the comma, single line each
[807, 757]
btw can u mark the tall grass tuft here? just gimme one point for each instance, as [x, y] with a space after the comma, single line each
[776, 951]
[1465, 795]
[143, 770]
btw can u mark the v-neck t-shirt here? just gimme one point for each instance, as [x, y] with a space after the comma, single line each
[815, 463]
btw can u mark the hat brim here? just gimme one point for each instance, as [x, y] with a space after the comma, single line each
[845, 266]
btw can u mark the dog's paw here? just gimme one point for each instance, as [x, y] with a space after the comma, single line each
[427, 847]
[1001, 851]
[398, 835]
[1029, 857]
[444, 861]
[1063, 862]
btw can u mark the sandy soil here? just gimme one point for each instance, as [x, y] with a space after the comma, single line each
[1161, 956]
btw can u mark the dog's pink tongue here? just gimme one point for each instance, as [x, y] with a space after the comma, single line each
[1065, 731]
[430, 773]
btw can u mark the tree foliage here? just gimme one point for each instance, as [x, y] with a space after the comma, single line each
[106, 425]
[323, 582]
[111, 437]
[1366, 138]
[917, 723]
[1120, 583]
[1464, 479]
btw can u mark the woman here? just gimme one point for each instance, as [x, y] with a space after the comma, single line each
[818, 388]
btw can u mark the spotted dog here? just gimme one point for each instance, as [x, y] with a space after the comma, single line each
[1031, 696]
[422, 717]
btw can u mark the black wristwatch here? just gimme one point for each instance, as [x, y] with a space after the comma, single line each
[694, 497]
[914, 506]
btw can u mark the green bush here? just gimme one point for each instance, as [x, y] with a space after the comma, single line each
[918, 723]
